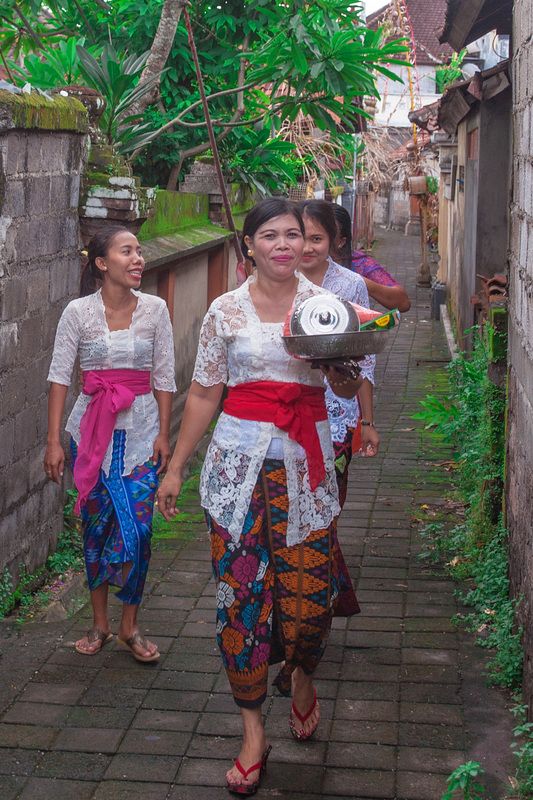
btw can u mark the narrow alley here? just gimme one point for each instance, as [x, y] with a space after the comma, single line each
[402, 696]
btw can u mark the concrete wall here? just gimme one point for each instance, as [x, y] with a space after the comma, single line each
[519, 464]
[41, 153]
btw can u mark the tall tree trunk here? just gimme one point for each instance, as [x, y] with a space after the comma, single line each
[160, 51]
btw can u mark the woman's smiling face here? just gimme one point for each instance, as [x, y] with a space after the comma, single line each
[316, 247]
[123, 263]
[277, 246]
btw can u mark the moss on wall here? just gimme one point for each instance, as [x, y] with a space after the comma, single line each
[175, 211]
[29, 111]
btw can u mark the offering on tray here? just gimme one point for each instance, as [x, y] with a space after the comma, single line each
[326, 328]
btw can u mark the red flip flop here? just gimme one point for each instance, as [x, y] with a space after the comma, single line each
[241, 788]
[300, 734]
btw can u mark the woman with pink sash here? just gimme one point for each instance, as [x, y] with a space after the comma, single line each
[268, 487]
[119, 426]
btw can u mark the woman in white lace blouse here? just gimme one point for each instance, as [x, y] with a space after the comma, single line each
[349, 423]
[119, 427]
[268, 486]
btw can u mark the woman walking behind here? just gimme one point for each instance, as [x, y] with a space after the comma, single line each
[268, 486]
[347, 417]
[119, 427]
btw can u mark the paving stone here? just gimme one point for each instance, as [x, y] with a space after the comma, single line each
[430, 693]
[36, 714]
[16, 761]
[359, 623]
[89, 740]
[372, 732]
[429, 656]
[365, 783]
[52, 789]
[366, 690]
[429, 759]
[231, 724]
[100, 717]
[138, 767]
[374, 710]
[420, 786]
[170, 602]
[53, 693]
[130, 790]
[159, 720]
[74, 766]
[202, 772]
[361, 756]
[369, 674]
[431, 713]
[183, 681]
[28, 737]
[158, 742]
[113, 697]
[10, 786]
[372, 639]
[433, 735]
[116, 676]
[54, 673]
[175, 700]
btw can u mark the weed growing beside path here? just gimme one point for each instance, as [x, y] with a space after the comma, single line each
[470, 414]
[36, 590]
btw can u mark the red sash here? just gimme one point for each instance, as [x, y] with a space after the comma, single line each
[290, 406]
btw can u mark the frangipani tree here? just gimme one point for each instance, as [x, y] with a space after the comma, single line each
[263, 62]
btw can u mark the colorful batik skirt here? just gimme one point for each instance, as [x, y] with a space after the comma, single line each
[117, 524]
[274, 603]
[343, 456]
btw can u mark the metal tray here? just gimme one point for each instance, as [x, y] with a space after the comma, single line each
[355, 344]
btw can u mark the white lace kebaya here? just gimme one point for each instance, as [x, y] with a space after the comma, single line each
[236, 347]
[344, 413]
[147, 344]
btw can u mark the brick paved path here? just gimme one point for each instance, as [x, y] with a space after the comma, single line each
[403, 701]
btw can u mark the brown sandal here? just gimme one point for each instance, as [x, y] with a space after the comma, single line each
[95, 634]
[137, 639]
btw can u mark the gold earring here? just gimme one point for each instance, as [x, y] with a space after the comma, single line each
[251, 253]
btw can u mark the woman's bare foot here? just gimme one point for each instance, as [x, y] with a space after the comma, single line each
[252, 752]
[303, 697]
[94, 640]
[137, 643]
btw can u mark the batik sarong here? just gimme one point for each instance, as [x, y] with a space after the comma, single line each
[117, 524]
[343, 455]
[274, 603]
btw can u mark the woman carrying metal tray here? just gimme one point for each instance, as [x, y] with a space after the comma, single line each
[268, 486]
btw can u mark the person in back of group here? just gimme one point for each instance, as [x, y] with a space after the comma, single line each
[352, 421]
[381, 286]
[119, 427]
[268, 486]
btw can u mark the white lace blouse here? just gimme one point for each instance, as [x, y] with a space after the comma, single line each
[147, 344]
[344, 413]
[236, 347]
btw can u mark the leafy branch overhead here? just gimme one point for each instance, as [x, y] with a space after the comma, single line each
[264, 62]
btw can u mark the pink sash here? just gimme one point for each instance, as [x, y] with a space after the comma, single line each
[112, 390]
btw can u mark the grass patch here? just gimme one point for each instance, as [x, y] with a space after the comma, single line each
[185, 525]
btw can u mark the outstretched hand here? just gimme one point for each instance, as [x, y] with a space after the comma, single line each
[167, 495]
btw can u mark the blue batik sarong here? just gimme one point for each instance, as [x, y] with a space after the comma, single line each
[117, 524]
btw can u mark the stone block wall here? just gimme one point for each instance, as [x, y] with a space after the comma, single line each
[42, 146]
[519, 464]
